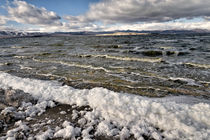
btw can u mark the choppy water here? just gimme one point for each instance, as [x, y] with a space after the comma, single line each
[151, 65]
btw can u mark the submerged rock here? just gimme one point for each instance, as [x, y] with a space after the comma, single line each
[170, 53]
[192, 49]
[114, 46]
[152, 53]
[8, 64]
[182, 53]
[132, 51]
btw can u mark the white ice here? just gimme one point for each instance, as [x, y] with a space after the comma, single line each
[181, 117]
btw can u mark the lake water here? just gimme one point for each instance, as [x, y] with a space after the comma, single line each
[148, 65]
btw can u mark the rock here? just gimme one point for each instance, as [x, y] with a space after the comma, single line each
[2, 98]
[20, 136]
[11, 97]
[133, 52]
[114, 46]
[9, 118]
[1, 125]
[152, 53]
[170, 53]
[8, 64]
[16, 97]
[182, 53]
[192, 49]
[180, 81]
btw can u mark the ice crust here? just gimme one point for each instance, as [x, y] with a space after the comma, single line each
[180, 117]
[68, 131]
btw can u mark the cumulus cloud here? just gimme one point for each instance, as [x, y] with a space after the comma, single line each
[23, 12]
[109, 15]
[3, 20]
[130, 11]
[72, 27]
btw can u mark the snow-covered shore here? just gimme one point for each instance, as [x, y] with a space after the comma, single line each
[120, 114]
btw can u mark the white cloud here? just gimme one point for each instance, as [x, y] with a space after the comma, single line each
[3, 20]
[72, 27]
[207, 18]
[161, 26]
[129, 11]
[109, 15]
[23, 12]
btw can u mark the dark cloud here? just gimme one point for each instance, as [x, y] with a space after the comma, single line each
[23, 12]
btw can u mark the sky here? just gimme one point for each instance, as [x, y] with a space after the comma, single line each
[103, 15]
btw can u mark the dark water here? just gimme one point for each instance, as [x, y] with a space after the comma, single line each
[151, 65]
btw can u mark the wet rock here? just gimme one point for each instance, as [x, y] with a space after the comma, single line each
[152, 53]
[16, 97]
[127, 42]
[180, 81]
[1, 91]
[2, 97]
[1, 125]
[112, 51]
[192, 49]
[182, 53]
[184, 45]
[132, 51]
[44, 54]
[10, 118]
[114, 46]
[170, 53]
[8, 64]
[20, 136]
[8, 115]
[2, 106]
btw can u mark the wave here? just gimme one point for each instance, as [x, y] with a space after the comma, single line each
[51, 75]
[187, 81]
[22, 57]
[149, 75]
[18, 47]
[206, 66]
[72, 64]
[25, 67]
[152, 60]
[170, 117]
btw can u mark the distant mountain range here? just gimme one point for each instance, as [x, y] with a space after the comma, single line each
[6, 34]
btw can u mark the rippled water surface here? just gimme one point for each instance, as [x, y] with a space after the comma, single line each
[151, 65]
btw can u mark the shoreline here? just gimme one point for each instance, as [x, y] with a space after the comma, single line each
[99, 112]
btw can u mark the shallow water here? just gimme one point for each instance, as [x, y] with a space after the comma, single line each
[150, 65]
